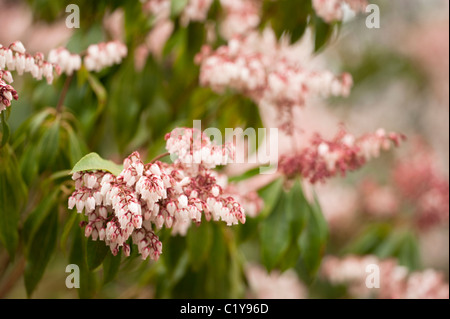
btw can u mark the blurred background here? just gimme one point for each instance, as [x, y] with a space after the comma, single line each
[401, 83]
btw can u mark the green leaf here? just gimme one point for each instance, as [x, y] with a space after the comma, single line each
[275, 234]
[67, 228]
[111, 266]
[177, 6]
[75, 146]
[297, 213]
[369, 239]
[88, 282]
[270, 194]
[288, 17]
[39, 251]
[95, 253]
[297, 209]
[390, 246]
[37, 217]
[99, 90]
[49, 145]
[322, 34]
[13, 195]
[199, 241]
[5, 130]
[248, 174]
[313, 239]
[93, 161]
[409, 254]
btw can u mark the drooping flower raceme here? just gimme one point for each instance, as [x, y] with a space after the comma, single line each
[270, 72]
[97, 57]
[7, 92]
[333, 10]
[324, 159]
[104, 54]
[241, 17]
[15, 58]
[68, 62]
[146, 197]
[397, 281]
[421, 183]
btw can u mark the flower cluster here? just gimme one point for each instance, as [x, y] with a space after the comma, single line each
[270, 72]
[147, 196]
[67, 61]
[398, 283]
[97, 57]
[104, 54]
[15, 58]
[163, 26]
[195, 10]
[192, 148]
[7, 92]
[420, 182]
[333, 10]
[324, 159]
[273, 285]
[241, 17]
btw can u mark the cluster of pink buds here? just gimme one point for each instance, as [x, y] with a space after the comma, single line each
[420, 182]
[15, 58]
[7, 92]
[270, 72]
[147, 197]
[333, 10]
[103, 55]
[67, 61]
[397, 282]
[324, 159]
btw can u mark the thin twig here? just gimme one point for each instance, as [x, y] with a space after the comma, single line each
[159, 157]
[13, 278]
[62, 97]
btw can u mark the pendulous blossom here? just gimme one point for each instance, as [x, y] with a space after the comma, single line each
[67, 61]
[104, 54]
[323, 159]
[146, 197]
[241, 17]
[420, 182]
[333, 10]
[7, 92]
[274, 285]
[396, 282]
[15, 58]
[270, 72]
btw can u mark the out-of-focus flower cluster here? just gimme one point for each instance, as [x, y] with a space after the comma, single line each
[323, 159]
[15, 58]
[7, 92]
[163, 26]
[240, 17]
[97, 57]
[416, 181]
[333, 10]
[275, 285]
[147, 196]
[395, 280]
[268, 71]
